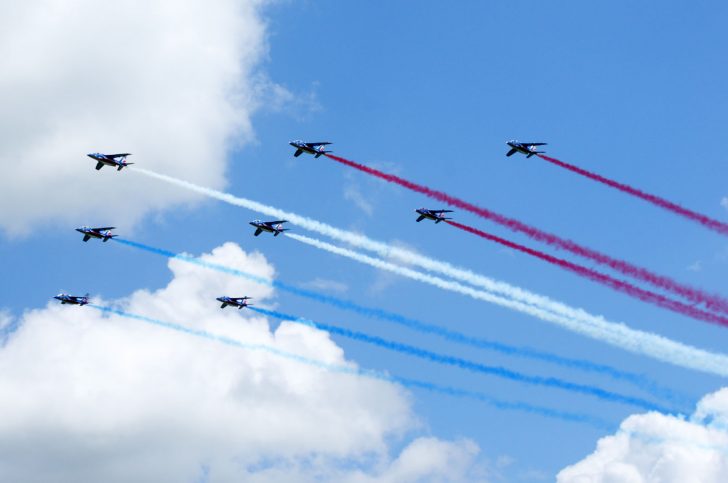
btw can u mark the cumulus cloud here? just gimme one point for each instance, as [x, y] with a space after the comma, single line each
[94, 397]
[655, 447]
[172, 81]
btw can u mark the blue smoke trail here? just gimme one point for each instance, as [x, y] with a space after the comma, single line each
[497, 371]
[406, 382]
[636, 379]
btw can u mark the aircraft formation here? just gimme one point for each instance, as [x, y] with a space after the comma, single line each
[275, 227]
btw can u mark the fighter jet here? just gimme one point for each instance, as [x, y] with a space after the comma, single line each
[529, 149]
[104, 232]
[275, 227]
[72, 299]
[116, 160]
[317, 149]
[238, 302]
[436, 215]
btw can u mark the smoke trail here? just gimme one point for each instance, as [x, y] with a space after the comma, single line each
[406, 382]
[618, 285]
[382, 249]
[712, 302]
[566, 316]
[448, 334]
[616, 334]
[704, 220]
[466, 364]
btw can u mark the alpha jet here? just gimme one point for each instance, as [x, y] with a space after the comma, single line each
[72, 299]
[436, 215]
[116, 160]
[275, 227]
[529, 149]
[317, 149]
[238, 302]
[104, 233]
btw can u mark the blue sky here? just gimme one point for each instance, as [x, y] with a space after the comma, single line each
[431, 91]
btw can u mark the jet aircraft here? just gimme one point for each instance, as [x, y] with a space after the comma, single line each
[104, 232]
[238, 302]
[529, 149]
[275, 227]
[116, 160]
[72, 299]
[436, 215]
[317, 149]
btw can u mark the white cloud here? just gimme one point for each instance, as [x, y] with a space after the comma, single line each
[353, 194]
[87, 397]
[326, 285]
[654, 447]
[172, 81]
[696, 266]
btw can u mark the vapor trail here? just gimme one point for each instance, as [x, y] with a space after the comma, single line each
[445, 333]
[704, 220]
[614, 333]
[616, 284]
[712, 302]
[458, 362]
[406, 382]
[617, 334]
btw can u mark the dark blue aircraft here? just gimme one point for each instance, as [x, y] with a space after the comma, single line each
[317, 149]
[116, 160]
[529, 149]
[238, 302]
[72, 299]
[436, 215]
[103, 233]
[275, 227]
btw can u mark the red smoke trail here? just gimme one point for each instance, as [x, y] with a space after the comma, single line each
[619, 285]
[708, 222]
[712, 302]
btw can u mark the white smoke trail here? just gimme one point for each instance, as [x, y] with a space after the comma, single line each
[384, 250]
[544, 308]
[613, 333]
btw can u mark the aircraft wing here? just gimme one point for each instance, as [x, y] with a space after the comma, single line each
[99, 165]
[535, 144]
[104, 228]
[258, 231]
[317, 144]
[441, 211]
[121, 155]
[275, 222]
[511, 152]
